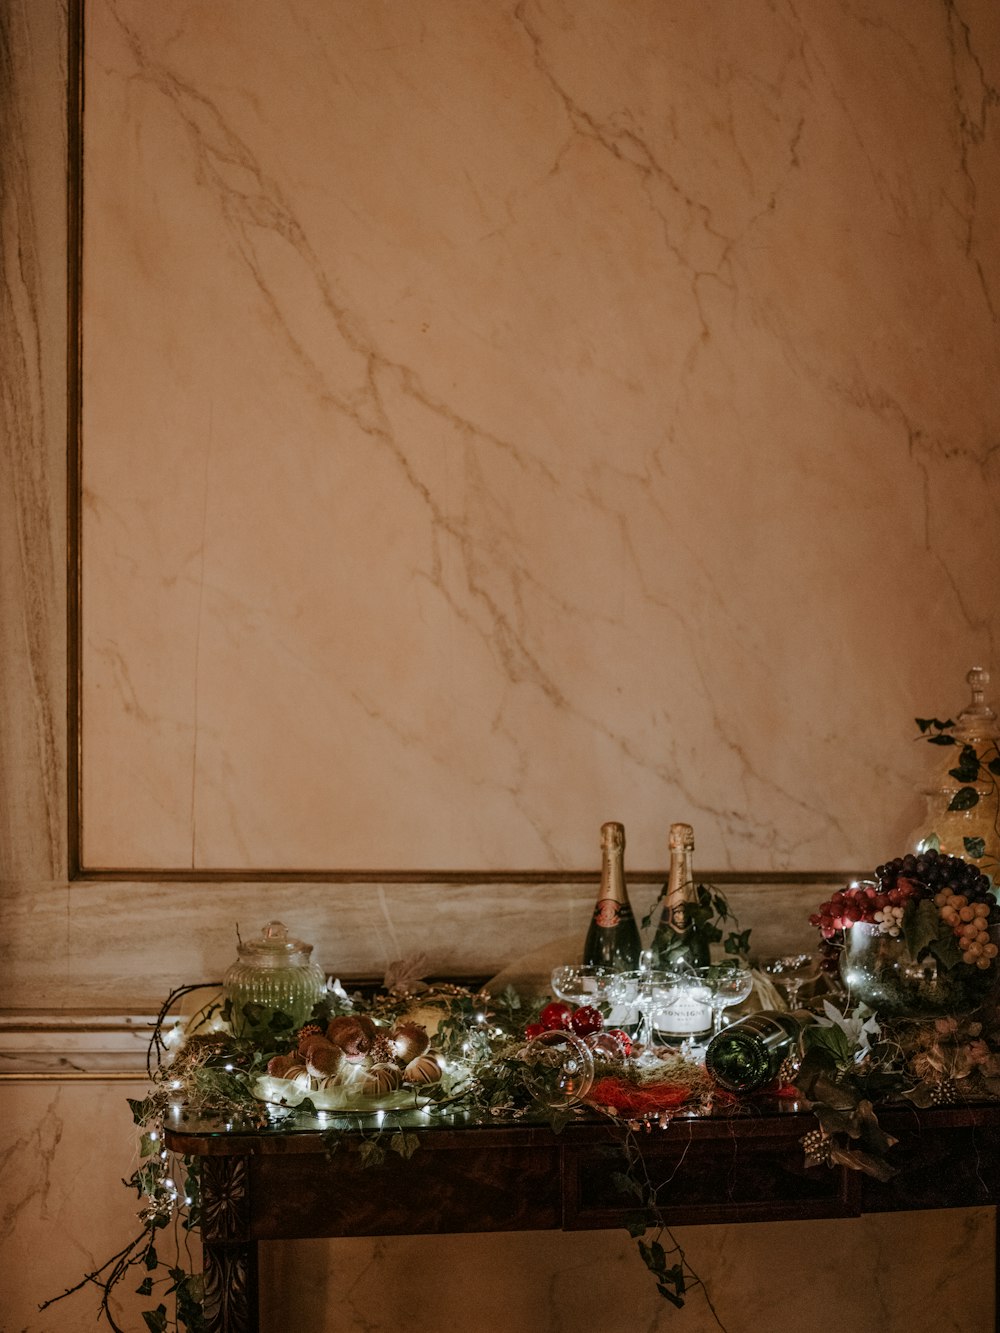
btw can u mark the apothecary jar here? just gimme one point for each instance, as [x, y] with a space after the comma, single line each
[275, 973]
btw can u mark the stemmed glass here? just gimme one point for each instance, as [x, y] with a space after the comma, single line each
[580, 984]
[792, 971]
[730, 983]
[653, 994]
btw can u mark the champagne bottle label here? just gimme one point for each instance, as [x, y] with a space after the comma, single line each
[609, 913]
[677, 917]
[687, 1016]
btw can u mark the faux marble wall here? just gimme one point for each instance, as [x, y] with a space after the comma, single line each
[500, 418]
[694, 491]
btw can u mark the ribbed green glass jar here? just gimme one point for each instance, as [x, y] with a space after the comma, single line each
[275, 973]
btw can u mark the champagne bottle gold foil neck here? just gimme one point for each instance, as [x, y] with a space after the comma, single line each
[612, 837]
[681, 838]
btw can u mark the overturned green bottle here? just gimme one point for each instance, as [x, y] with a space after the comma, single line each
[748, 1054]
[613, 937]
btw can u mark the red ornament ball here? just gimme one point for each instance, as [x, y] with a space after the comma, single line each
[555, 1016]
[586, 1020]
[623, 1040]
[534, 1030]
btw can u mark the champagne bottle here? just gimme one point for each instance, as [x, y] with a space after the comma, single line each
[613, 938]
[748, 1054]
[676, 937]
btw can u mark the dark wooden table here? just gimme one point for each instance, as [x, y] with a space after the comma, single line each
[281, 1183]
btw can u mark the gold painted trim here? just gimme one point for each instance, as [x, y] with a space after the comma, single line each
[77, 871]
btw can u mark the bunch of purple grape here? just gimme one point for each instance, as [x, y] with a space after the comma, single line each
[961, 892]
[936, 871]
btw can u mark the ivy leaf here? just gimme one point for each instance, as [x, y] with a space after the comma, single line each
[974, 847]
[968, 766]
[653, 1256]
[675, 1276]
[148, 1146]
[636, 1224]
[926, 723]
[721, 906]
[994, 767]
[156, 1320]
[858, 1160]
[833, 1041]
[627, 1185]
[371, 1153]
[737, 942]
[941, 740]
[964, 799]
[151, 1259]
[404, 1144]
[945, 949]
[141, 1109]
[145, 1287]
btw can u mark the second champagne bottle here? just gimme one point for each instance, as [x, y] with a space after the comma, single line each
[677, 938]
[613, 938]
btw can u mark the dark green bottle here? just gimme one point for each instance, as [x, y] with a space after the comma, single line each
[677, 939]
[613, 938]
[748, 1054]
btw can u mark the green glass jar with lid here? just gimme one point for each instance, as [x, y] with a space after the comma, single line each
[273, 979]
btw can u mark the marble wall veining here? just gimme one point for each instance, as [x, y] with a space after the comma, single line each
[512, 417]
[501, 418]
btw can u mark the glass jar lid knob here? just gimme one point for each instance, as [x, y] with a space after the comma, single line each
[275, 945]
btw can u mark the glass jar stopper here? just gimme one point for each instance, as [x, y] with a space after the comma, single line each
[977, 720]
[274, 948]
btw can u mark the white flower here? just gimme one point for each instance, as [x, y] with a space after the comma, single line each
[859, 1026]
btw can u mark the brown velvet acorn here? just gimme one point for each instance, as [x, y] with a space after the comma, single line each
[410, 1040]
[353, 1033]
[324, 1060]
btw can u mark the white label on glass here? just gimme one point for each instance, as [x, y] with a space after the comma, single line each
[684, 1013]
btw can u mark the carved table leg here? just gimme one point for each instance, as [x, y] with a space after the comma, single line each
[230, 1255]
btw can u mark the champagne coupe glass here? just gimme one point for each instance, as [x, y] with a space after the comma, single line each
[557, 1069]
[650, 994]
[580, 984]
[792, 971]
[730, 983]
